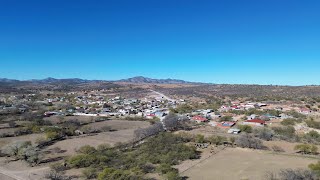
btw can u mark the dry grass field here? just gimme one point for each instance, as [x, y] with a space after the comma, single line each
[237, 164]
[71, 145]
[30, 137]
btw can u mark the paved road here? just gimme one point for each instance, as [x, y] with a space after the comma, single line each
[162, 95]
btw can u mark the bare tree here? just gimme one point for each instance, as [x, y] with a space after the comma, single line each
[248, 141]
[140, 134]
[171, 122]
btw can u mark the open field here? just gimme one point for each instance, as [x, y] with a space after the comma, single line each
[120, 124]
[29, 137]
[19, 170]
[237, 163]
[4, 177]
[124, 133]
[71, 145]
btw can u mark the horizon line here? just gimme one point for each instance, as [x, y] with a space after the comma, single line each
[187, 81]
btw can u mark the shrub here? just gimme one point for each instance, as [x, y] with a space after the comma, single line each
[248, 141]
[217, 140]
[313, 124]
[312, 137]
[290, 174]
[315, 168]
[263, 133]
[87, 150]
[58, 167]
[285, 133]
[226, 118]
[53, 175]
[306, 149]
[111, 173]
[199, 138]
[245, 128]
[90, 173]
[288, 122]
[23, 151]
[165, 168]
[277, 149]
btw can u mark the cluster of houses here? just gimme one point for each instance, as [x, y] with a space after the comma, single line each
[241, 106]
[214, 118]
[94, 105]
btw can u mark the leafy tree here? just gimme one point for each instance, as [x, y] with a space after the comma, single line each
[306, 148]
[245, 128]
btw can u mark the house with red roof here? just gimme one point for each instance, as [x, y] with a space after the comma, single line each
[199, 119]
[255, 122]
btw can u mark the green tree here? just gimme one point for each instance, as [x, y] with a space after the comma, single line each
[199, 138]
[315, 168]
[245, 128]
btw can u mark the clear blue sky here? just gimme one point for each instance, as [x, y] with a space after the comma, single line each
[219, 41]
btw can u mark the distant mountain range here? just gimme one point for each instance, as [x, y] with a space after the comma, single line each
[145, 80]
[134, 80]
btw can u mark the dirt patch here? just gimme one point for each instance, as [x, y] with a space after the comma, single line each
[70, 145]
[4, 177]
[236, 163]
[30, 137]
[124, 133]
[120, 124]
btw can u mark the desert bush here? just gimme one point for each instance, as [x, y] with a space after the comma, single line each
[226, 118]
[111, 173]
[315, 168]
[58, 167]
[248, 141]
[290, 174]
[200, 138]
[106, 129]
[87, 150]
[23, 151]
[312, 137]
[306, 149]
[171, 122]
[263, 133]
[155, 129]
[53, 175]
[217, 140]
[14, 148]
[288, 122]
[287, 133]
[313, 124]
[277, 149]
[245, 128]
[90, 173]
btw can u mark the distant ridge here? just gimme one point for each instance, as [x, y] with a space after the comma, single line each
[134, 80]
[145, 80]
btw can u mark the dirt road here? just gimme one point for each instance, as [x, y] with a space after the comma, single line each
[32, 174]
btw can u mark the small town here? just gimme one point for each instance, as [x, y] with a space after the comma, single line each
[57, 125]
[159, 90]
